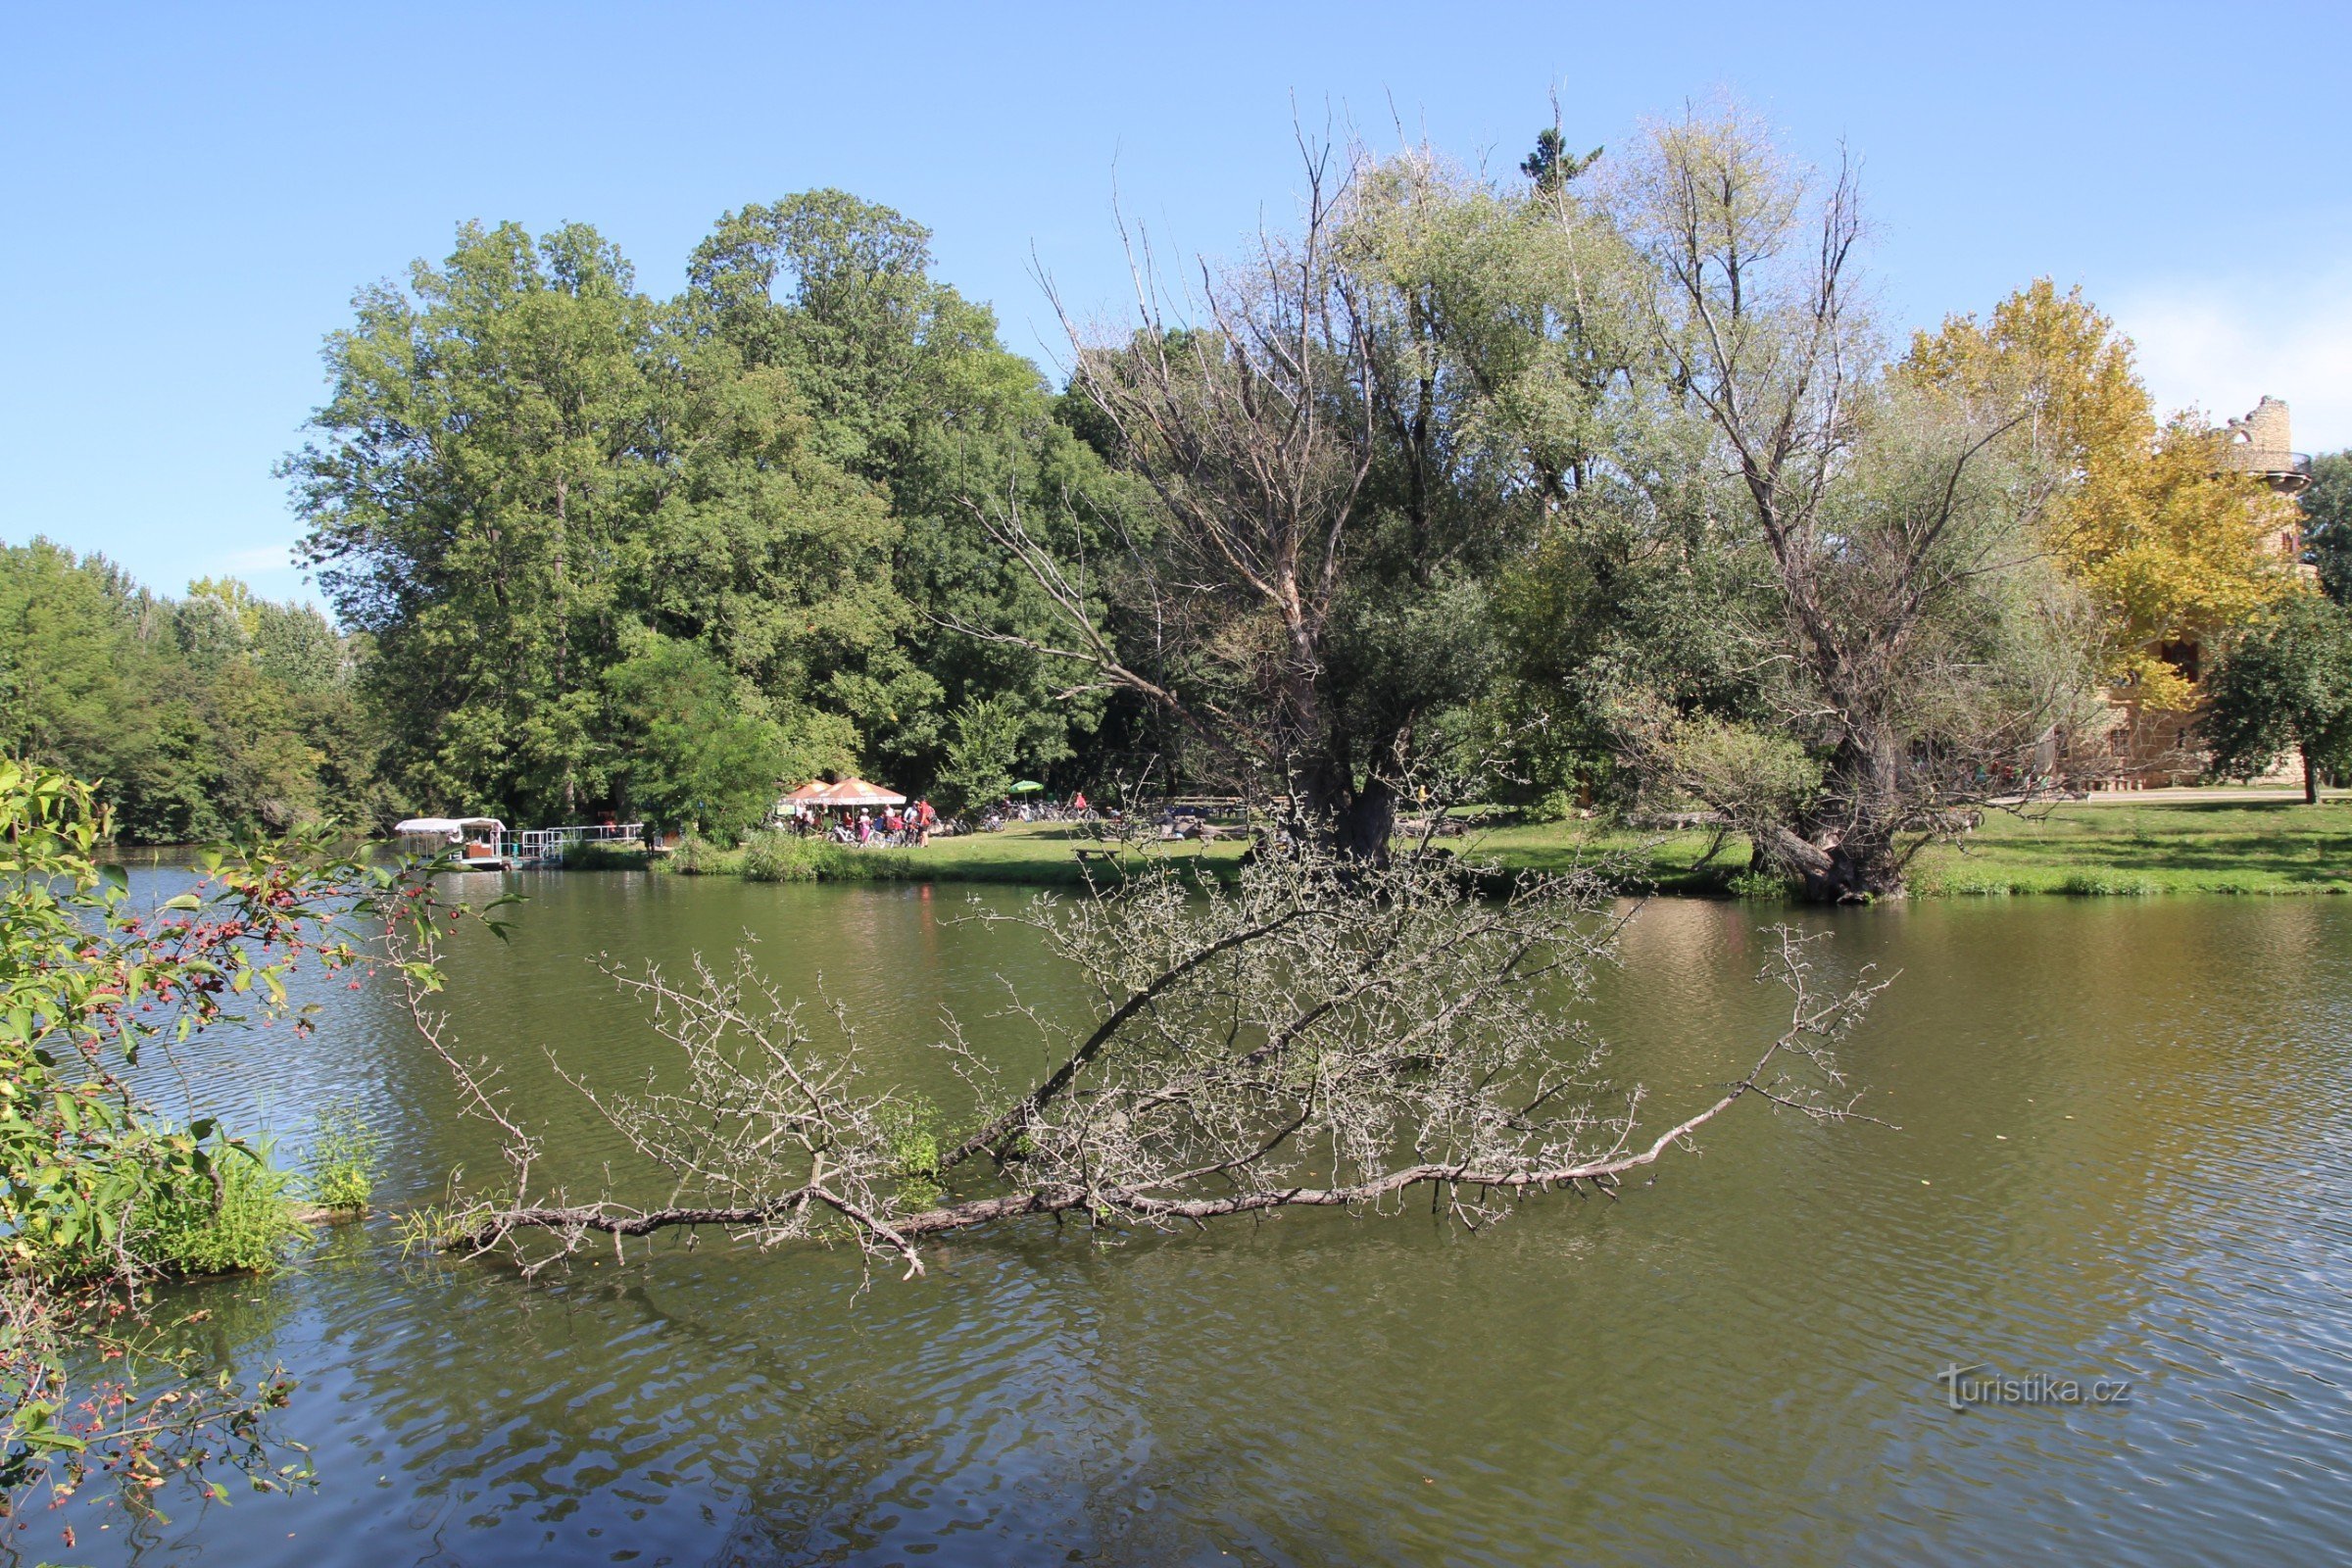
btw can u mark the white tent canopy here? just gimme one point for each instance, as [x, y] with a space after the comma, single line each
[858, 792]
[446, 825]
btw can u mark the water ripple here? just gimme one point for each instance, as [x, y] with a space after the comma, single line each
[2123, 1155]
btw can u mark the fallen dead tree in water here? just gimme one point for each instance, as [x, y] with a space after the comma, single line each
[1312, 1036]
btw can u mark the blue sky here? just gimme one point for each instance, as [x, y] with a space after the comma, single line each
[192, 193]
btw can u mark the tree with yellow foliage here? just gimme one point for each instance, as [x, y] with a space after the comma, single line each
[2168, 545]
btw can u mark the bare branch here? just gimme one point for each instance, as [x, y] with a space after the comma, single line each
[1317, 1034]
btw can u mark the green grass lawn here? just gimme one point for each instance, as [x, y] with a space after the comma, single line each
[1042, 853]
[2087, 849]
[2081, 849]
[2178, 847]
[1664, 862]
[1038, 854]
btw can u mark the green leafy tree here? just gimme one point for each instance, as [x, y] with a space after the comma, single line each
[769, 555]
[909, 388]
[689, 755]
[2328, 522]
[222, 713]
[526, 465]
[469, 508]
[80, 688]
[2285, 686]
[981, 757]
[294, 647]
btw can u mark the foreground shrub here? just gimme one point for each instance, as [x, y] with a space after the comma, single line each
[95, 1189]
[770, 856]
[239, 1218]
[696, 855]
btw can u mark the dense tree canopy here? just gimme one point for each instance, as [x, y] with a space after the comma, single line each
[524, 465]
[532, 479]
[1596, 480]
[911, 391]
[2328, 522]
[2285, 685]
[2142, 514]
[201, 717]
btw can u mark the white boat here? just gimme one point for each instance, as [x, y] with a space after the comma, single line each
[472, 843]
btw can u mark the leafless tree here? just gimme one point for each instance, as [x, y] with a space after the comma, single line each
[1247, 407]
[1317, 1035]
[1916, 644]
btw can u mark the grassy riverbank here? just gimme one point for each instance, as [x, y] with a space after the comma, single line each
[2209, 846]
[2206, 844]
[1044, 854]
[2145, 847]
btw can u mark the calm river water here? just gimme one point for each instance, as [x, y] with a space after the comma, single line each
[2126, 1154]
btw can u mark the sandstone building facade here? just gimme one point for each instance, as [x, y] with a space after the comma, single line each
[2150, 747]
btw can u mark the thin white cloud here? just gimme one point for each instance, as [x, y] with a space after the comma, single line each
[2223, 348]
[267, 558]
[271, 572]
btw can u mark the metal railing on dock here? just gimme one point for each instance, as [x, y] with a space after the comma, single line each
[546, 846]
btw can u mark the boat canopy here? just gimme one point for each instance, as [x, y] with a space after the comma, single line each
[446, 825]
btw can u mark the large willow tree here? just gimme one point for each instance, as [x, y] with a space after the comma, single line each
[1622, 431]
[1903, 650]
[1346, 437]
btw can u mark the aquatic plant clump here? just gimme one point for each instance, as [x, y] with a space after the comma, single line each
[343, 1159]
[234, 1215]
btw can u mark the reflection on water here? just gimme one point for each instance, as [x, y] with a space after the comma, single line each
[2123, 1153]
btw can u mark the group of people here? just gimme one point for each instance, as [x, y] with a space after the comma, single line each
[913, 826]
[894, 829]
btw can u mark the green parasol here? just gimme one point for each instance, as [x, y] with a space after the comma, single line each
[1026, 785]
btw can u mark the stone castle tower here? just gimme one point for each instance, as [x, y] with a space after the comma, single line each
[2262, 444]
